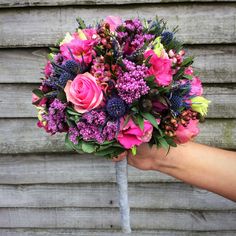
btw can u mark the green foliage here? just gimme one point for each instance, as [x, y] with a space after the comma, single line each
[80, 23]
[38, 93]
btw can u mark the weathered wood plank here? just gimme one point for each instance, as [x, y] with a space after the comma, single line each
[106, 218]
[215, 64]
[147, 195]
[33, 3]
[15, 101]
[67, 168]
[43, 26]
[22, 136]
[91, 232]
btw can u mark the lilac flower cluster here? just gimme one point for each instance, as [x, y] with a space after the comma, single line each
[95, 117]
[56, 119]
[131, 85]
[133, 36]
[90, 132]
[93, 127]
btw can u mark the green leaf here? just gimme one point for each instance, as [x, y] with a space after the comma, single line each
[140, 121]
[56, 50]
[163, 142]
[150, 118]
[187, 61]
[81, 23]
[88, 147]
[134, 150]
[62, 96]
[38, 93]
[71, 111]
[170, 141]
[150, 78]
[111, 151]
[190, 77]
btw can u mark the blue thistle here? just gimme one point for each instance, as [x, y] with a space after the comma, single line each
[64, 78]
[51, 82]
[166, 37]
[176, 102]
[71, 66]
[116, 107]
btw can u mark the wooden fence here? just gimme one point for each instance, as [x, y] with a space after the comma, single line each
[46, 191]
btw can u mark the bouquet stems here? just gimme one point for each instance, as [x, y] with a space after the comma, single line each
[122, 182]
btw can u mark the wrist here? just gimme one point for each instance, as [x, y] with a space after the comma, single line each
[165, 160]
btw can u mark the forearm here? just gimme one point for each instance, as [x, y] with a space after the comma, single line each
[206, 167]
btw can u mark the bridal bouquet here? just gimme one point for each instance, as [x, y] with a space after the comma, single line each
[117, 84]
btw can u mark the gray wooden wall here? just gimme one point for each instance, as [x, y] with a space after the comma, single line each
[46, 191]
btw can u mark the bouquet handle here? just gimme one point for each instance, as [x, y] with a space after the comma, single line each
[122, 182]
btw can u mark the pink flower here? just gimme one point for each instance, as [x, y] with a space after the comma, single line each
[113, 21]
[184, 134]
[48, 69]
[81, 45]
[160, 68]
[132, 135]
[84, 92]
[81, 49]
[196, 87]
[188, 71]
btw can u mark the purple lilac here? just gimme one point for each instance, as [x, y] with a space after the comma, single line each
[110, 130]
[90, 132]
[95, 117]
[131, 85]
[56, 119]
[73, 134]
[133, 38]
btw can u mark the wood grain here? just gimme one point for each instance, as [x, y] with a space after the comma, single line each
[106, 218]
[91, 232]
[33, 3]
[22, 136]
[146, 195]
[67, 168]
[15, 100]
[213, 23]
[215, 64]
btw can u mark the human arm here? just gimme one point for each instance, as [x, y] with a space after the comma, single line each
[197, 164]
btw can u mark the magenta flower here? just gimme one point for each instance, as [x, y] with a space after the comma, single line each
[184, 134]
[160, 68]
[79, 48]
[48, 69]
[131, 134]
[113, 21]
[196, 87]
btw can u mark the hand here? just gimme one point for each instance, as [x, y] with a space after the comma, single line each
[147, 158]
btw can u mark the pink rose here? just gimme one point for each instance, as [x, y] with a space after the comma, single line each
[160, 68]
[184, 134]
[132, 135]
[84, 92]
[196, 87]
[113, 21]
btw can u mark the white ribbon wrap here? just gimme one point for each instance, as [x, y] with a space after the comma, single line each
[122, 182]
